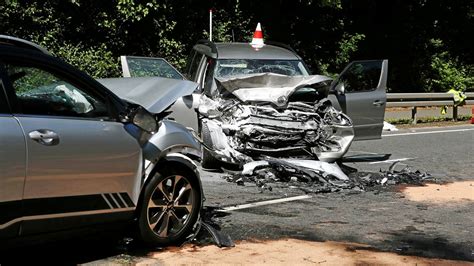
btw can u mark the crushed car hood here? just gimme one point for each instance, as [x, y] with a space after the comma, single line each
[268, 87]
[152, 93]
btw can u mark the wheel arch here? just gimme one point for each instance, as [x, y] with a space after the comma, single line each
[171, 161]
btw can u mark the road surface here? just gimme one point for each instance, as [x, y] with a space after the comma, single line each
[392, 220]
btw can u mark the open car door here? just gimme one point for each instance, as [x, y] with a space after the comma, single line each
[360, 92]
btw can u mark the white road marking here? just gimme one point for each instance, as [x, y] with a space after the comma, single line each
[428, 132]
[362, 152]
[262, 203]
[393, 160]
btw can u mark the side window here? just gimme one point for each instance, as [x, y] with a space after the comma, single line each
[208, 83]
[40, 92]
[189, 63]
[3, 100]
[362, 76]
[194, 70]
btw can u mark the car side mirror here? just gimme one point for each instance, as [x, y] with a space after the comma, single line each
[339, 89]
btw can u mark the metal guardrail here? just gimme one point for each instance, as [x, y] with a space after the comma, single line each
[415, 100]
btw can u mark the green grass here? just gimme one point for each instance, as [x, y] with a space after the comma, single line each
[401, 121]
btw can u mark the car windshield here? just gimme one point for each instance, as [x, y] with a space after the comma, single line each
[234, 67]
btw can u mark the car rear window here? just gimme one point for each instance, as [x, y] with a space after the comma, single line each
[234, 67]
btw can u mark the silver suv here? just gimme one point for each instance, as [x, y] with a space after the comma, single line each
[359, 91]
[74, 154]
[253, 102]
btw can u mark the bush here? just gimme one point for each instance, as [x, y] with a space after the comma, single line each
[95, 61]
[447, 71]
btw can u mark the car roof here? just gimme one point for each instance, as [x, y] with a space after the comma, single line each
[236, 50]
[17, 42]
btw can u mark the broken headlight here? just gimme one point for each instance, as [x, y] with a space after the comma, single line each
[145, 120]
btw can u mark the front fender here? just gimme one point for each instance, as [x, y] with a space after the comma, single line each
[171, 137]
[173, 160]
[180, 159]
[177, 160]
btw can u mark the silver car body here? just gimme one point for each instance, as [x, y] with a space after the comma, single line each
[58, 169]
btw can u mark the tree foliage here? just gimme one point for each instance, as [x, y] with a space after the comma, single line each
[447, 71]
[427, 42]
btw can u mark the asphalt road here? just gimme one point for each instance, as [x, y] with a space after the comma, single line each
[385, 219]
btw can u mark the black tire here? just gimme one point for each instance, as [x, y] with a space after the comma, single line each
[162, 182]
[208, 161]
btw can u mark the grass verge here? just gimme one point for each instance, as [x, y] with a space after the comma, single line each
[425, 120]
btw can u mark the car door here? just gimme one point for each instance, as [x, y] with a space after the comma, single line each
[360, 92]
[80, 161]
[12, 169]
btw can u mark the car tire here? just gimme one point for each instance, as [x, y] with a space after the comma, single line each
[208, 160]
[167, 218]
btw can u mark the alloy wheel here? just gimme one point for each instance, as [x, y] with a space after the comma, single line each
[170, 206]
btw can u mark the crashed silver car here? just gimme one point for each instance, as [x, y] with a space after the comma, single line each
[263, 102]
[75, 154]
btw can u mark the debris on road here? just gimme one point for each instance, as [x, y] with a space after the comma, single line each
[207, 232]
[319, 177]
[212, 231]
[389, 127]
[221, 240]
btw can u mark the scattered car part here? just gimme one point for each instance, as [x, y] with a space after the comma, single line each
[319, 177]
[221, 240]
[210, 223]
[365, 158]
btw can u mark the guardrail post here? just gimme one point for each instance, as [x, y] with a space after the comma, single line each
[455, 113]
[413, 115]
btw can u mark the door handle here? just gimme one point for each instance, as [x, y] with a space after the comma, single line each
[45, 137]
[378, 103]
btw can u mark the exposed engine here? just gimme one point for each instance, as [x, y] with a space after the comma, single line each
[241, 131]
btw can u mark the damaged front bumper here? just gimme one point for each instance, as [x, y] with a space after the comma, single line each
[274, 115]
[241, 132]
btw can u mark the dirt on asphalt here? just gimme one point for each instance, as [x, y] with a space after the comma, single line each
[456, 192]
[288, 252]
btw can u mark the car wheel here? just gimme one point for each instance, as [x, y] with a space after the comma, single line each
[208, 161]
[169, 207]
